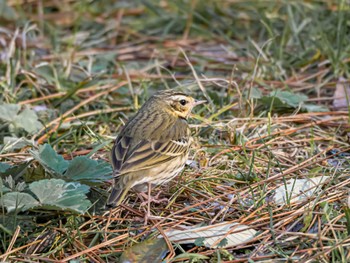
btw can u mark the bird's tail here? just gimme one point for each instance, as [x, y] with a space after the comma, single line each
[117, 195]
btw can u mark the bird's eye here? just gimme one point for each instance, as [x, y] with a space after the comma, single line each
[183, 102]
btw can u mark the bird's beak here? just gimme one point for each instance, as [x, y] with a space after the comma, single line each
[198, 102]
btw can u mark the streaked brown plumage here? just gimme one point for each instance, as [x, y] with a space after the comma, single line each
[153, 146]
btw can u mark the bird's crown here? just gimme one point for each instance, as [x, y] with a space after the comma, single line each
[176, 102]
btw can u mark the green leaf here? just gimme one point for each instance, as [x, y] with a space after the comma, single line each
[3, 188]
[255, 93]
[284, 100]
[8, 112]
[14, 143]
[289, 98]
[223, 242]
[199, 241]
[82, 168]
[315, 108]
[28, 120]
[51, 161]
[18, 201]
[273, 103]
[58, 193]
[51, 194]
[15, 170]
[7, 11]
[4, 167]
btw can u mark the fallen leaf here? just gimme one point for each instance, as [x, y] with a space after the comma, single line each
[225, 234]
[341, 95]
[153, 250]
[298, 190]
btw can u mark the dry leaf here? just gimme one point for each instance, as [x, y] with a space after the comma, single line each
[298, 190]
[341, 95]
[226, 234]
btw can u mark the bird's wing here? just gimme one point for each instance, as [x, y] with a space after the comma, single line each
[129, 156]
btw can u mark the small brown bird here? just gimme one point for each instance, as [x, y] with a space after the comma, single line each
[153, 146]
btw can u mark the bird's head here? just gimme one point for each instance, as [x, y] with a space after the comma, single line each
[177, 103]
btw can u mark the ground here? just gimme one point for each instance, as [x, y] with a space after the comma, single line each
[276, 124]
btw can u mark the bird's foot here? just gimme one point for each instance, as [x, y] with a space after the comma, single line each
[148, 199]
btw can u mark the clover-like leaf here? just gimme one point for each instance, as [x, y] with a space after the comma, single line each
[4, 167]
[60, 194]
[3, 188]
[8, 112]
[286, 100]
[49, 194]
[14, 143]
[18, 201]
[82, 168]
[52, 162]
[289, 98]
[28, 120]
[6, 11]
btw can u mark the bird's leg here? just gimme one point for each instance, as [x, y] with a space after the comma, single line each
[148, 199]
[149, 203]
[157, 200]
[145, 197]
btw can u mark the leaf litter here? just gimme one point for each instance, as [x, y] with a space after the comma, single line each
[267, 128]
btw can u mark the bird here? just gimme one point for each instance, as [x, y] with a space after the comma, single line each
[153, 146]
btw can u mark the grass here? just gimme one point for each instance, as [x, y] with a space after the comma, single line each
[92, 64]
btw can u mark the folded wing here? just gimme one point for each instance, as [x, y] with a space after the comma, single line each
[129, 155]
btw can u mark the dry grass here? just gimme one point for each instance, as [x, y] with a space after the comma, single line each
[95, 63]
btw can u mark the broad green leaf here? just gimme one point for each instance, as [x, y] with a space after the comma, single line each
[16, 170]
[14, 143]
[58, 193]
[51, 161]
[12, 185]
[7, 11]
[28, 120]
[4, 167]
[199, 242]
[315, 108]
[47, 73]
[289, 98]
[3, 188]
[255, 93]
[8, 112]
[18, 201]
[273, 102]
[284, 100]
[82, 168]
